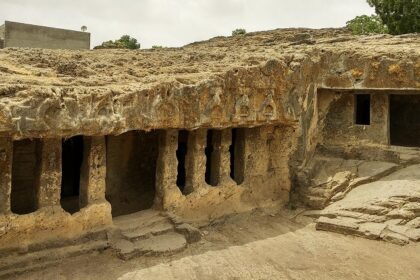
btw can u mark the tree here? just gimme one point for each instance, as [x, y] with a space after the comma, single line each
[125, 42]
[363, 25]
[239, 31]
[400, 16]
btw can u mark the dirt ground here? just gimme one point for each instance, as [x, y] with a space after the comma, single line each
[256, 245]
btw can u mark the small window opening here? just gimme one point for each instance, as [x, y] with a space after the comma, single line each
[72, 158]
[212, 158]
[237, 155]
[363, 109]
[181, 154]
[25, 175]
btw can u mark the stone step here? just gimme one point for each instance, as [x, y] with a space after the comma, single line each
[317, 191]
[142, 219]
[139, 233]
[315, 202]
[164, 244]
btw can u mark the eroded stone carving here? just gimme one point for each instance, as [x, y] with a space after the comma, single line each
[243, 109]
[213, 111]
[268, 109]
[165, 110]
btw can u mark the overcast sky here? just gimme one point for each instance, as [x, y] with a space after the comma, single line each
[178, 22]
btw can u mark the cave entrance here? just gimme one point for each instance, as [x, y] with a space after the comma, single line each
[72, 158]
[181, 154]
[237, 155]
[131, 171]
[25, 174]
[404, 120]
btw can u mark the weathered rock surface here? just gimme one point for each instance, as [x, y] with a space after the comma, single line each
[273, 75]
[37, 258]
[386, 209]
[330, 179]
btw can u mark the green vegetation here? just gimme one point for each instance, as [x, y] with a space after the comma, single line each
[400, 16]
[363, 25]
[157, 47]
[239, 31]
[125, 42]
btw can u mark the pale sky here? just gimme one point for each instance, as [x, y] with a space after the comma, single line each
[174, 23]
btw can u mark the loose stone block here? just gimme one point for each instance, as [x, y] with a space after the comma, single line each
[344, 225]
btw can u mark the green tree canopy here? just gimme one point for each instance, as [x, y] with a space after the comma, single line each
[125, 42]
[239, 31]
[400, 16]
[363, 25]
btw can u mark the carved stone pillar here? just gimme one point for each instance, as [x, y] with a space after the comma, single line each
[216, 158]
[49, 185]
[6, 156]
[93, 175]
[196, 160]
[225, 144]
[166, 167]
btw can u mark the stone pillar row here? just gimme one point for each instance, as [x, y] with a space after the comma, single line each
[167, 163]
[196, 159]
[93, 173]
[48, 186]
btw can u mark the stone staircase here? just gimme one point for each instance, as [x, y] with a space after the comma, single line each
[332, 178]
[146, 233]
[150, 233]
[387, 209]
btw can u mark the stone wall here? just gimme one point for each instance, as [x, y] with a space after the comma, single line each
[1, 36]
[45, 222]
[2, 31]
[338, 125]
[34, 36]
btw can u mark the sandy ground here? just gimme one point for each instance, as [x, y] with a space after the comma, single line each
[255, 246]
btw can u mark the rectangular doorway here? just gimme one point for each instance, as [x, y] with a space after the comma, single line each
[72, 159]
[404, 120]
[131, 171]
[25, 176]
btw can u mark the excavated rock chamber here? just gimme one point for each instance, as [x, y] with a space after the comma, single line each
[212, 128]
